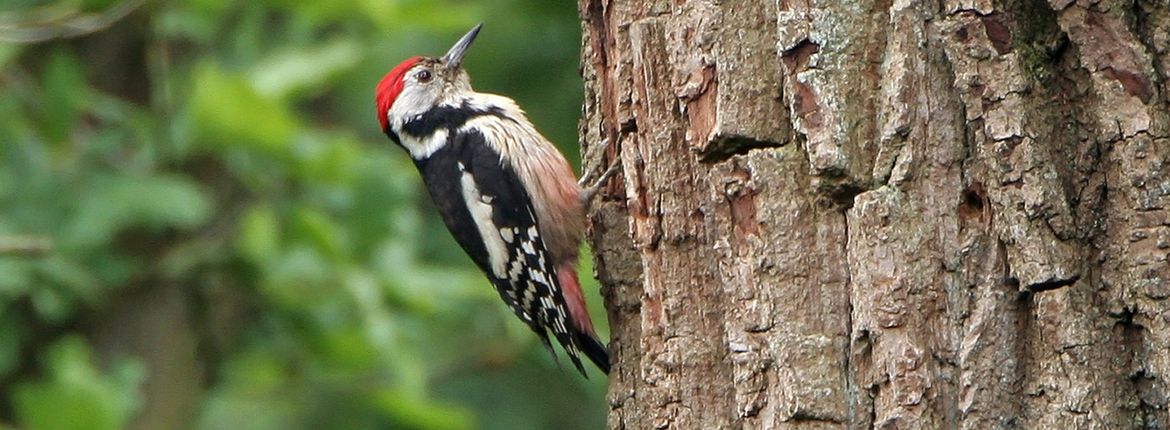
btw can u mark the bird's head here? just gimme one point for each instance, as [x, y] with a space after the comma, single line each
[416, 85]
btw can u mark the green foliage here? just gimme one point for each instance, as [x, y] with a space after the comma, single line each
[230, 113]
[229, 150]
[75, 395]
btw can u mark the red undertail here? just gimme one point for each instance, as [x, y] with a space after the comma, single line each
[587, 337]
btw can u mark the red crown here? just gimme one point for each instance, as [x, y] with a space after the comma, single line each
[389, 89]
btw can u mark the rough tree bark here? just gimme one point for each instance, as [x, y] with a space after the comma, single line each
[893, 214]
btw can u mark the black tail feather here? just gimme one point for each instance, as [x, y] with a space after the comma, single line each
[591, 346]
[547, 345]
[595, 350]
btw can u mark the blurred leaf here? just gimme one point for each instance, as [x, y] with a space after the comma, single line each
[117, 202]
[298, 69]
[65, 89]
[422, 14]
[71, 276]
[75, 394]
[320, 231]
[424, 289]
[298, 279]
[198, 26]
[15, 279]
[209, 7]
[259, 234]
[51, 305]
[255, 392]
[327, 158]
[367, 298]
[413, 413]
[228, 111]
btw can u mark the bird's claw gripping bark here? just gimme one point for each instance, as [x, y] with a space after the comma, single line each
[587, 181]
[590, 192]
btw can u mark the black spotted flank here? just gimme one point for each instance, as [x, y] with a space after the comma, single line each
[445, 116]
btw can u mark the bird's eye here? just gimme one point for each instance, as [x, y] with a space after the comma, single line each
[423, 76]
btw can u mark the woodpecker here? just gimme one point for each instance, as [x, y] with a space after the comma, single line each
[507, 195]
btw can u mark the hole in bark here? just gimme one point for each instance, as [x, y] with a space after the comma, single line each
[1052, 284]
[1024, 312]
[797, 57]
[1014, 283]
[840, 195]
[974, 201]
[726, 148]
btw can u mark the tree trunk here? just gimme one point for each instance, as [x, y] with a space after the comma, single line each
[902, 214]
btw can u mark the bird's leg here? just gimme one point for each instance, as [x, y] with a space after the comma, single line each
[590, 191]
[587, 172]
[591, 186]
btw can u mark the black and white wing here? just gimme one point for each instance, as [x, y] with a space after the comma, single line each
[492, 217]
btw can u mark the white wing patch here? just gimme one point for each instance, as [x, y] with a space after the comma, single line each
[481, 214]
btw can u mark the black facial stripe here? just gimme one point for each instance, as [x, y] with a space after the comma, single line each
[392, 135]
[449, 117]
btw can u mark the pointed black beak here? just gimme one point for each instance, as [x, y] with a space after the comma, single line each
[454, 57]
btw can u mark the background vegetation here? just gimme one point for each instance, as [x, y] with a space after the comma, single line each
[201, 225]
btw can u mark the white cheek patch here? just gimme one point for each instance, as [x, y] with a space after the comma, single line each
[481, 215]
